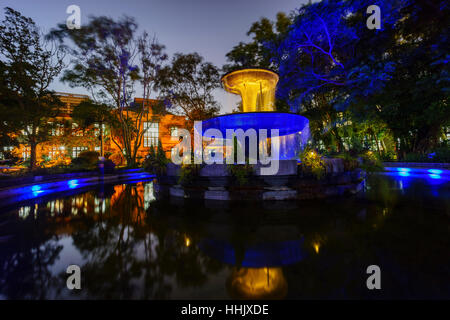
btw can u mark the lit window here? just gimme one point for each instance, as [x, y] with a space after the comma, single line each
[29, 129]
[151, 134]
[53, 152]
[97, 129]
[58, 130]
[76, 130]
[26, 153]
[77, 150]
[174, 132]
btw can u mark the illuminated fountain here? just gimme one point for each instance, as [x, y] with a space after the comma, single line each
[257, 90]
[259, 131]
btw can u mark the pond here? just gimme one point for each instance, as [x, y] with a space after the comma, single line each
[129, 245]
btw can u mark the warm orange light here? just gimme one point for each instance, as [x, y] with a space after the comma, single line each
[257, 283]
[187, 241]
[316, 247]
[255, 86]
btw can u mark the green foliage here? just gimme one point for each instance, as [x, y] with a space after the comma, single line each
[88, 113]
[87, 160]
[241, 173]
[28, 65]
[255, 53]
[188, 173]
[111, 61]
[156, 160]
[371, 161]
[392, 87]
[11, 157]
[313, 163]
[437, 155]
[188, 84]
[350, 161]
[388, 156]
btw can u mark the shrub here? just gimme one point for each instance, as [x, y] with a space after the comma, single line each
[240, 172]
[86, 160]
[440, 154]
[109, 166]
[350, 162]
[10, 158]
[117, 158]
[313, 163]
[188, 173]
[370, 161]
[389, 156]
[156, 160]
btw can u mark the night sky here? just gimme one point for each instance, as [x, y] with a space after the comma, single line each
[211, 27]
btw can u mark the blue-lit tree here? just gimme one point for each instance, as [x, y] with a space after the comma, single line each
[397, 75]
[321, 52]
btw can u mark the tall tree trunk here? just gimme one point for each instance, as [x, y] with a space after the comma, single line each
[33, 147]
[101, 139]
[376, 141]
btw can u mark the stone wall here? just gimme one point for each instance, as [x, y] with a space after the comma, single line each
[214, 182]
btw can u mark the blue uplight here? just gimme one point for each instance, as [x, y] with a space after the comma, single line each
[36, 189]
[434, 176]
[403, 173]
[72, 183]
[435, 171]
[403, 169]
[286, 123]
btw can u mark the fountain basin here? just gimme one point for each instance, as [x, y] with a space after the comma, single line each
[286, 123]
[293, 129]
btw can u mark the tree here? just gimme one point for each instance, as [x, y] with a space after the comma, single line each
[29, 65]
[255, 53]
[110, 60]
[187, 84]
[397, 75]
[88, 113]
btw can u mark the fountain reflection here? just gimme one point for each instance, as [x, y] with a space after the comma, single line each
[257, 283]
[131, 246]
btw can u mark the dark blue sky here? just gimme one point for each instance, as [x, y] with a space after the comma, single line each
[211, 27]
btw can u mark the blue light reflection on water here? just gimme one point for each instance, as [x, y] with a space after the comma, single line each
[73, 183]
[258, 255]
[38, 190]
[431, 177]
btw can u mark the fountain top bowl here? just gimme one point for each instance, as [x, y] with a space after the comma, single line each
[256, 87]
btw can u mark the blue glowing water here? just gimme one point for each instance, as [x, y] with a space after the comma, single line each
[293, 129]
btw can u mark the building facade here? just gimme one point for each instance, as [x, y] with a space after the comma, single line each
[68, 139]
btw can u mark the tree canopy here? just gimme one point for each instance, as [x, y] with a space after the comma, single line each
[331, 65]
[28, 65]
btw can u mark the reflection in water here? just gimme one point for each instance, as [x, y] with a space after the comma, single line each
[131, 246]
[257, 283]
